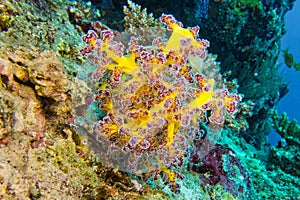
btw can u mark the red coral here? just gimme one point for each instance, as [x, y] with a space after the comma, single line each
[222, 166]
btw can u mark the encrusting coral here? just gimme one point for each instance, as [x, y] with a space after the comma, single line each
[33, 94]
[41, 156]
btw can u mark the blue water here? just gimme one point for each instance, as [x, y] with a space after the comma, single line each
[290, 103]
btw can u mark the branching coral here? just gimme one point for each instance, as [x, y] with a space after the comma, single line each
[157, 98]
[286, 153]
[141, 25]
[135, 17]
[290, 131]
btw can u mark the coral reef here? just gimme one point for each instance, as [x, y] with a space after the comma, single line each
[222, 166]
[286, 154]
[267, 180]
[6, 17]
[34, 91]
[145, 30]
[28, 24]
[246, 37]
[173, 89]
[47, 88]
[41, 155]
[290, 131]
[247, 41]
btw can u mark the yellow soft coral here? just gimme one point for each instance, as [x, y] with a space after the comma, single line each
[158, 98]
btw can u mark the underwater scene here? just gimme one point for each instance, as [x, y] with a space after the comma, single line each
[148, 99]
